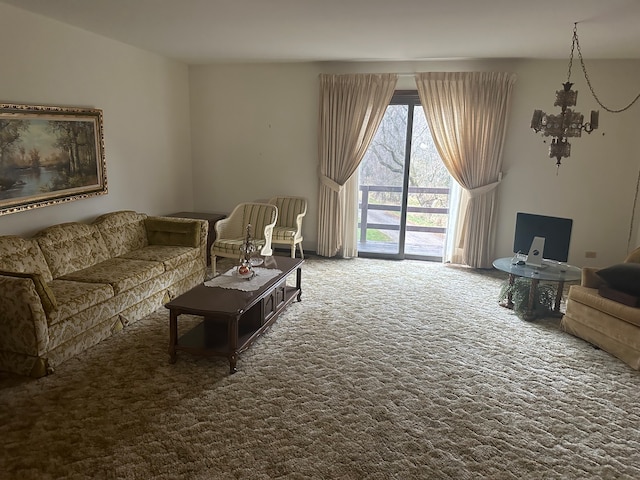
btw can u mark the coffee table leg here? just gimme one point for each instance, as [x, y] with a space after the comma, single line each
[233, 360]
[233, 343]
[299, 283]
[173, 335]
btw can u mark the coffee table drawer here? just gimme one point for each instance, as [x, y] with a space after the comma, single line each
[274, 301]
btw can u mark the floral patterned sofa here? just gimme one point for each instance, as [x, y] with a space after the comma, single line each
[74, 284]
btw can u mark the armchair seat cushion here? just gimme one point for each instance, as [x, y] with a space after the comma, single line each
[283, 234]
[231, 246]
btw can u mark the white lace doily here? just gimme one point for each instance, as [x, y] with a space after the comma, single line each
[229, 279]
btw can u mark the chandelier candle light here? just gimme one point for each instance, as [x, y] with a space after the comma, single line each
[567, 123]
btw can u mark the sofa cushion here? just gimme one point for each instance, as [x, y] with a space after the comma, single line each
[623, 276]
[590, 298]
[618, 296]
[121, 273]
[170, 256]
[74, 297]
[69, 247]
[23, 255]
[122, 231]
[172, 231]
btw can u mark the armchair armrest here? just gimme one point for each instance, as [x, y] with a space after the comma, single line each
[267, 251]
[230, 227]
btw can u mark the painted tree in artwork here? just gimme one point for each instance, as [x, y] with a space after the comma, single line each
[10, 134]
[74, 138]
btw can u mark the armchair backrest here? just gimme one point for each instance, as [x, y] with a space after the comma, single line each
[291, 210]
[261, 216]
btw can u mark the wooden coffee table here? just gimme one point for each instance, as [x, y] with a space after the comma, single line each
[232, 319]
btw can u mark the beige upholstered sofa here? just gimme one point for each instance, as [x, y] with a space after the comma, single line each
[604, 309]
[72, 285]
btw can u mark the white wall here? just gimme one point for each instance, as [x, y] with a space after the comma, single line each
[595, 186]
[254, 135]
[145, 103]
[254, 131]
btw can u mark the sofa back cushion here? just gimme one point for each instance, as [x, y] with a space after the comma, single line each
[23, 255]
[173, 231]
[69, 247]
[122, 231]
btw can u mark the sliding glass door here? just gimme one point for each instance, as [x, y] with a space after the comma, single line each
[403, 187]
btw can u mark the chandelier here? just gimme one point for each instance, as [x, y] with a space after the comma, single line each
[569, 123]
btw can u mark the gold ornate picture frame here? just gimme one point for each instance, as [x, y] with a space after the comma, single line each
[49, 155]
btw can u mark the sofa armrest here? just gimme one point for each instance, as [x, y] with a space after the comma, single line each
[590, 279]
[23, 319]
[183, 232]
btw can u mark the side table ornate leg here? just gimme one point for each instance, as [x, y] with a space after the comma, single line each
[512, 279]
[556, 305]
[529, 314]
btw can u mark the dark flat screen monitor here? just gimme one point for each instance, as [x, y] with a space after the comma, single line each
[555, 231]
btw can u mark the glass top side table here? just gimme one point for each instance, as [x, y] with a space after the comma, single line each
[549, 272]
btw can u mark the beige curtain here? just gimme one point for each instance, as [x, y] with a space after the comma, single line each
[467, 114]
[351, 109]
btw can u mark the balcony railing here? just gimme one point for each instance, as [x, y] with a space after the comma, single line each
[366, 206]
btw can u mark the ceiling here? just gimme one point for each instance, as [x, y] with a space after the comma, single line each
[206, 31]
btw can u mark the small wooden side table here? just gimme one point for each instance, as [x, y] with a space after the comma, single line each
[212, 218]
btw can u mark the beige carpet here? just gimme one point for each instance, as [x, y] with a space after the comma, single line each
[385, 370]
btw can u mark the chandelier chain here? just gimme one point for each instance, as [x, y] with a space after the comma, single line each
[574, 40]
[576, 44]
[633, 213]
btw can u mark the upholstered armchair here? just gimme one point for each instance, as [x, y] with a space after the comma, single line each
[231, 231]
[288, 229]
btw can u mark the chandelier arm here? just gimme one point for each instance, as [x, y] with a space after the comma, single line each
[586, 76]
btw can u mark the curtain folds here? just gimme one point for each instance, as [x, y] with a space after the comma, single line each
[351, 109]
[467, 113]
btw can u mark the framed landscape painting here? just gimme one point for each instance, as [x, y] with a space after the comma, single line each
[49, 155]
